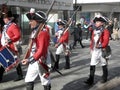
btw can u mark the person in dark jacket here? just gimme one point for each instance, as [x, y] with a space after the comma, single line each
[110, 28]
[77, 35]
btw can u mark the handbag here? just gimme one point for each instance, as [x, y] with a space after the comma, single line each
[106, 52]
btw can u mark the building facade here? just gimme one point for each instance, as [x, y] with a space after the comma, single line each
[109, 8]
[60, 9]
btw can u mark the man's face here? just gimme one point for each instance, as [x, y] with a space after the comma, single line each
[98, 23]
[60, 26]
[6, 20]
[32, 23]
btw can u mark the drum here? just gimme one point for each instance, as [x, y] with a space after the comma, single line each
[7, 59]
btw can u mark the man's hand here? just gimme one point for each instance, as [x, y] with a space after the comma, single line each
[97, 46]
[56, 45]
[24, 61]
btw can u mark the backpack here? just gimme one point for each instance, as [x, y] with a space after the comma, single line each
[106, 52]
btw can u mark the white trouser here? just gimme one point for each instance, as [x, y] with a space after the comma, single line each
[60, 49]
[97, 57]
[32, 73]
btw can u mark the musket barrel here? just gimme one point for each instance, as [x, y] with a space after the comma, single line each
[41, 26]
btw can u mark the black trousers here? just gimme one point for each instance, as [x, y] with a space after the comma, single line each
[18, 69]
[1, 72]
[78, 40]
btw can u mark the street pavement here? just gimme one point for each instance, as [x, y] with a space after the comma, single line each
[73, 78]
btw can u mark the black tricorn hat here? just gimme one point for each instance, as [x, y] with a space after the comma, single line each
[39, 16]
[7, 14]
[62, 22]
[15, 16]
[79, 24]
[100, 18]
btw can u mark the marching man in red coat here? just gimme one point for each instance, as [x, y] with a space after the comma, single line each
[38, 55]
[9, 36]
[99, 41]
[62, 44]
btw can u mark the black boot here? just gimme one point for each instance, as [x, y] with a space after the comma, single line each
[19, 73]
[1, 72]
[48, 87]
[105, 74]
[81, 44]
[67, 64]
[30, 86]
[57, 62]
[90, 80]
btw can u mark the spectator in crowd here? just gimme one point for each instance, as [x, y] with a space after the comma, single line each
[115, 29]
[110, 28]
[77, 36]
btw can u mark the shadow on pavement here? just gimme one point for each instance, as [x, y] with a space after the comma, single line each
[11, 75]
[77, 85]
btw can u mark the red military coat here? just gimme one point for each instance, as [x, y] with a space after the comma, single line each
[14, 34]
[104, 39]
[64, 38]
[42, 43]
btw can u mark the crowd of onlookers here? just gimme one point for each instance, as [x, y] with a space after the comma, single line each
[112, 25]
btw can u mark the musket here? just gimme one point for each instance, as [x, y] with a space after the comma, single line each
[50, 18]
[53, 64]
[41, 26]
[111, 13]
[67, 28]
[55, 69]
[70, 21]
[47, 13]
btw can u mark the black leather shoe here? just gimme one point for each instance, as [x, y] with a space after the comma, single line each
[88, 82]
[83, 46]
[19, 78]
[0, 80]
[47, 87]
[66, 67]
[103, 81]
